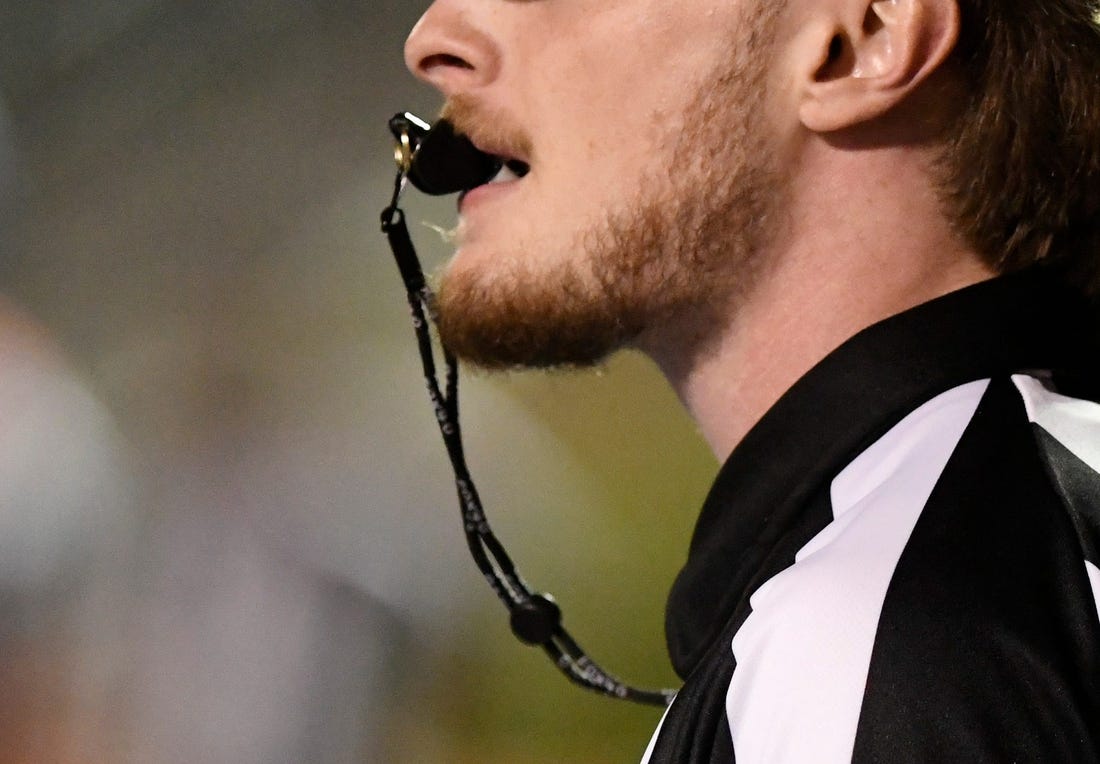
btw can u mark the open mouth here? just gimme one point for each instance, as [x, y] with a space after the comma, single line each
[511, 169]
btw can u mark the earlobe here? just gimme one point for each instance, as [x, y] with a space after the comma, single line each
[875, 53]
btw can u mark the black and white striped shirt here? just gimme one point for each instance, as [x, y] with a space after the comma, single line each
[901, 561]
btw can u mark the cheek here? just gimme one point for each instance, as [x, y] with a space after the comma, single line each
[620, 105]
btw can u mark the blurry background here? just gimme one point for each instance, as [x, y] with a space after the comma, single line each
[227, 528]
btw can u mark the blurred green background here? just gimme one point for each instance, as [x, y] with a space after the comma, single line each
[251, 550]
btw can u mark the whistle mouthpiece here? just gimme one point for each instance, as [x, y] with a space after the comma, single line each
[436, 159]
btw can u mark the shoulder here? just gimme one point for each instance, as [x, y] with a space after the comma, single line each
[990, 612]
[1067, 437]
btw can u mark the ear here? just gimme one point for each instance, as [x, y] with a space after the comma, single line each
[858, 59]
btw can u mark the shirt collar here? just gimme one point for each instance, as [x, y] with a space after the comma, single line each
[1012, 323]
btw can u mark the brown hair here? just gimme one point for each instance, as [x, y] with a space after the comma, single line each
[1022, 166]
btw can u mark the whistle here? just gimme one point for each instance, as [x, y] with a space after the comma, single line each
[436, 159]
[408, 131]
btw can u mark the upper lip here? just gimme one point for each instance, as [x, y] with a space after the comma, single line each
[508, 155]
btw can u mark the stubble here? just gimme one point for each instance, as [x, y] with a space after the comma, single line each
[681, 252]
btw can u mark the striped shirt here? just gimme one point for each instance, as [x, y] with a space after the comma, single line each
[901, 561]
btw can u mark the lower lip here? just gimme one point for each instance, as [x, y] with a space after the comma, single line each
[483, 194]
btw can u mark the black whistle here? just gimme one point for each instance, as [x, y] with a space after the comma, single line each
[436, 159]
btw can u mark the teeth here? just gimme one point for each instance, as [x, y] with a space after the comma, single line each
[512, 169]
[505, 175]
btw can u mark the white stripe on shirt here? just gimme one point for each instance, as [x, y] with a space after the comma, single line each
[803, 653]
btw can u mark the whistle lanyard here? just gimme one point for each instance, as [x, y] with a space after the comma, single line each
[535, 618]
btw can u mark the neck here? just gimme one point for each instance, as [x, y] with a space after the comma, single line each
[825, 281]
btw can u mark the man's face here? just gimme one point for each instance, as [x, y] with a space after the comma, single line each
[650, 188]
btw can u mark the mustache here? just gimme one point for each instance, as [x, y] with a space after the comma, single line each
[490, 130]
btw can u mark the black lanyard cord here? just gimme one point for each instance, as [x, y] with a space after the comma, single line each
[535, 618]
